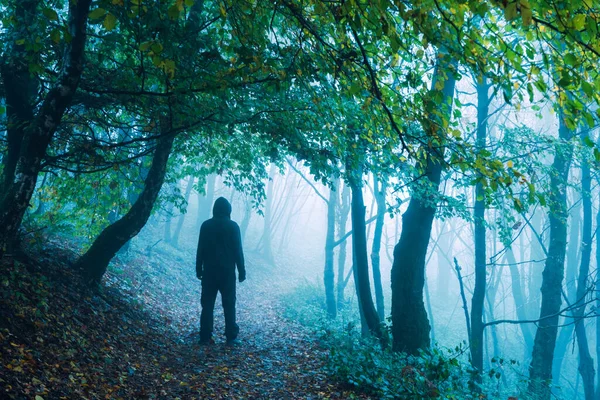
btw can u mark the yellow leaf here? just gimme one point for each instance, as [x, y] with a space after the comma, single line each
[509, 164]
[110, 21]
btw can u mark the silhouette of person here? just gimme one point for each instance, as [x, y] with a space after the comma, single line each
[219, 251]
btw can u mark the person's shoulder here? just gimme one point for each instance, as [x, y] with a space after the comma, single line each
[206, 223]
[234, 224]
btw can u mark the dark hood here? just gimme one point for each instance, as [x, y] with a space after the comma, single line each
[222, 208]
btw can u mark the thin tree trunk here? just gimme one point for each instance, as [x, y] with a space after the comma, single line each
[444, 266]
[205, 202]
[266, 237]
[478, 300]
[410, 326]
[586, 363]
[565, 333]
[517, 291]
[379, 190]
[95, 261]
[328, 275]
[246, 220]
[598, 301]
[361, 259]
[540, 370]
[41, 130]
[536, 267]
[463, 298]
[181, 219]
[344, 212]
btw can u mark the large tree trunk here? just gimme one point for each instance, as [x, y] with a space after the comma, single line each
[478, 300]
[329, 276]
[586, 363]
[410, 326]
[20, 89]
[95, 261]
[41, 129]
[540, 369]
[361, 258]
[343, 220]
[379, 189]
[181, 219]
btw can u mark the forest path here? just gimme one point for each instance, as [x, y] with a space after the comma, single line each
[137, 338]
[276, 358]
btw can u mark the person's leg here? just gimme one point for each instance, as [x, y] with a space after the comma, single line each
[207, 300]
[228, 298]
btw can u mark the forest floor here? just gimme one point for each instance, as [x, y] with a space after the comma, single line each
[137, 335]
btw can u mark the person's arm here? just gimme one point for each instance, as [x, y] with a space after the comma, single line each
[199, 254]
[239, 255]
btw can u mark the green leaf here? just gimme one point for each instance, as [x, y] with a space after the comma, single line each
[110, 22]
[526, 13]
[97, 13]
[173, 11]
[50, 14]
[55, 36]
[510, 12]
[570, 59]
[587, 89]
[579, 21]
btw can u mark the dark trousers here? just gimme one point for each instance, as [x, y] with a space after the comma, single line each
[210, 288]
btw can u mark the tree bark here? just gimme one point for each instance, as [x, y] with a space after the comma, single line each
[328, 275]
[361, 259]
[95, 261]
[540, 369]
[343, 220]
[41, 130]
[20, 88]
[565, 333]
[586, 363]
[478, 300]
[410, 326]
[379, 189]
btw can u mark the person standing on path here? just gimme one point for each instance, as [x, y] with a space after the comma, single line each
[219, 252]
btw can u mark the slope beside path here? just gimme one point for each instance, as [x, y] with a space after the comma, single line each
[137, 336]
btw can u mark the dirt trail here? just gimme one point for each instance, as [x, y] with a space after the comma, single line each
[138, 336]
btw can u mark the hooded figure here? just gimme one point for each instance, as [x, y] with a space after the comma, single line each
[219, 252]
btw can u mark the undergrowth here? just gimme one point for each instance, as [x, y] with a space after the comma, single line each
[367, 366]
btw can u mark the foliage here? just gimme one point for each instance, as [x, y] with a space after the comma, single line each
[364, 364]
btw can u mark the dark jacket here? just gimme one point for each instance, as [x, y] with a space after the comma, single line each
[220, 245]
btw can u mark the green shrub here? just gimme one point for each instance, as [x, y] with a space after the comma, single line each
[369, 368]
